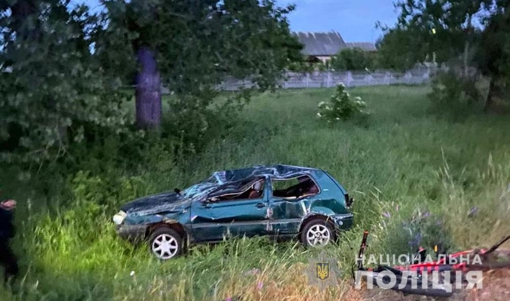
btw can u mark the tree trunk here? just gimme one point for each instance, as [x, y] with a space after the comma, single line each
[148, 90]
[466, 47]
[466, 51]
[494, 92]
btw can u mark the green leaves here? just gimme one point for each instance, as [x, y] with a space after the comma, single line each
[341, 107]
[352, 59]
[453, 97]
[57, 86]
[69, 65]
[431, 27]
[201, 44]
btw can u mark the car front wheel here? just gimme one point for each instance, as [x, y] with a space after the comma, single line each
[165, 243]
[317, 233]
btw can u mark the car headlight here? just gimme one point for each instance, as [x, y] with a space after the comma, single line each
[119, 217]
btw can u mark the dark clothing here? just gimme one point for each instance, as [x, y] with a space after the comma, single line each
[9, 261]
[7, 230]
[7, 258]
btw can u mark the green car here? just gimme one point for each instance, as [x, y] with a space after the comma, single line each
[279, 201]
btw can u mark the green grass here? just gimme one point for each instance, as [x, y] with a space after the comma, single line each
[404, 157]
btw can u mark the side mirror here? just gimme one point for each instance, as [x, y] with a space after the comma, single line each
[349, 202]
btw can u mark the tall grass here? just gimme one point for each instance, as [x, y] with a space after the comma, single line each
[405, 161]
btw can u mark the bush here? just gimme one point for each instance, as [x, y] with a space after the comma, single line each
[194, 121]
[452, 96]
[422, 229]
[341, 106]
[352, 59]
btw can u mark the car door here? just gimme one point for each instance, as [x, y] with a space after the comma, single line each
[288, 212]
[212, 221]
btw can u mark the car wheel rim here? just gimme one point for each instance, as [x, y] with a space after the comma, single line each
[318, 235]
[165, 246]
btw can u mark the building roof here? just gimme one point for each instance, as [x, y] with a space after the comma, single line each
[367, 46]
[320, 43]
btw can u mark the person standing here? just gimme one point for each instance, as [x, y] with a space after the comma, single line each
[7, 258]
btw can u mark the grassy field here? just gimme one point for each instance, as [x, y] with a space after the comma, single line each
[404, 163]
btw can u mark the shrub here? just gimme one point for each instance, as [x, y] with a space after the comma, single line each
[194, 121]
[422, 229]
[352, 59]
[452, 96]
[341, 106]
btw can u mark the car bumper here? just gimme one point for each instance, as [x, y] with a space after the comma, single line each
[343, 221]
[131, 232]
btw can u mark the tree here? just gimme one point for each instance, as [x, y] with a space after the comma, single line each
[56, 86]
[69, 65]
[191, 46]
[395, 50]
[445, 29]
[493, 53]
[352, 59]
[442, 28]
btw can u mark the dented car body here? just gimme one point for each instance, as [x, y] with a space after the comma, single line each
[276, 201]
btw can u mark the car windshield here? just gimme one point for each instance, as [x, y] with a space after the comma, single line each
[200, 187]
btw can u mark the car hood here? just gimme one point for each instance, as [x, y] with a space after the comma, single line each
[162, 202]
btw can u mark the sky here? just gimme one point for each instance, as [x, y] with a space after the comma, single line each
[354, 19]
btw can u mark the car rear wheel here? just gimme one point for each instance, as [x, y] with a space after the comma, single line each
[165, 243]
[317, 233]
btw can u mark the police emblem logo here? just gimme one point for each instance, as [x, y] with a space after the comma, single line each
[323, 271]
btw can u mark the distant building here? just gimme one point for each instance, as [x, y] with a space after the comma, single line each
[321, 46]
[367, 46]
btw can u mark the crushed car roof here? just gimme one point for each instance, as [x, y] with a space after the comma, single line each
[279, 171]
[220, 182]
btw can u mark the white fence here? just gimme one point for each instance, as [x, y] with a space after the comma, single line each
[294, 80]
[415, 76]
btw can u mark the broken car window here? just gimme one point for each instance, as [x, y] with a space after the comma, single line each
[253, 190]
[297, 187]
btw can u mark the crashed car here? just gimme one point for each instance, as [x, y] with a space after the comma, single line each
[279, 201]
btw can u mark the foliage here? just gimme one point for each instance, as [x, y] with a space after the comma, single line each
[445, 30]
[198, 46]
[410, 230]
[56, 88]
[352, 59]
[341, 106]
[300, 66]
[432, 30]
[396, 50]
[439, 27]
[492, 57]
[193, 122]
[453, 96]
[69, 65]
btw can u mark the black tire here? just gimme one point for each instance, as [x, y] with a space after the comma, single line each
[169, 240]
[312, 226]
